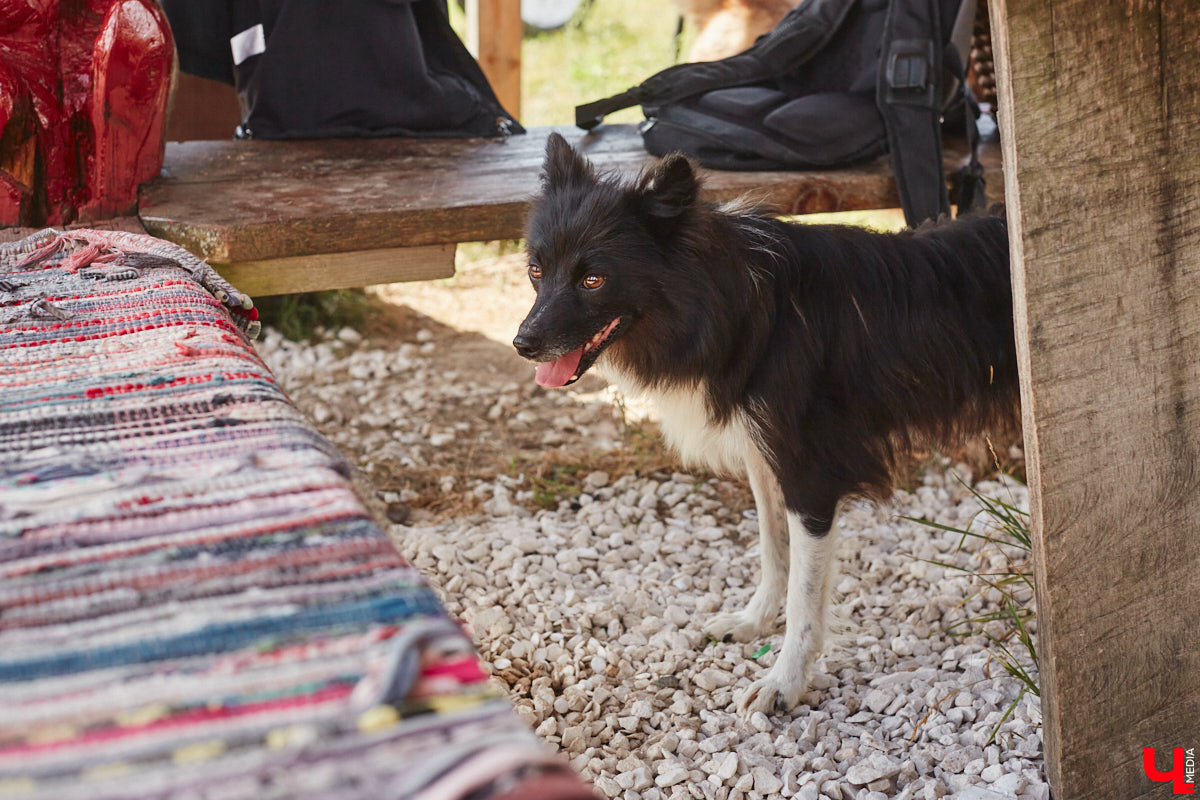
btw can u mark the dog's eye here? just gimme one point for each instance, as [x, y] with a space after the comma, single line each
[593, 281]
[535, 271]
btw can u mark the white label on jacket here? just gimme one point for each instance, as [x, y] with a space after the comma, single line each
[250, 42]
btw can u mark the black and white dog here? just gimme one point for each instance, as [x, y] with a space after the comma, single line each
[808, 356]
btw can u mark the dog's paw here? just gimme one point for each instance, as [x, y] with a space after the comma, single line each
[772, 695]
[739, 626]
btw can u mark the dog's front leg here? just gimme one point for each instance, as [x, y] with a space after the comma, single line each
[811, 553]
[756, 618]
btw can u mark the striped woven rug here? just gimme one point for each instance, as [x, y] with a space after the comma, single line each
[193, 602]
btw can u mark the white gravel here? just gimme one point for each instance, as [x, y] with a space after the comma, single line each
[590, 613]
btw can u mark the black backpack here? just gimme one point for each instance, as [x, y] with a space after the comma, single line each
[836, 82]
[314, 68]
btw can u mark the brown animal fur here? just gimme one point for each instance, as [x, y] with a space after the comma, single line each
[727, 27]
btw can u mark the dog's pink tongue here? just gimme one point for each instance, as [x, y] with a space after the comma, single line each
[559, 371]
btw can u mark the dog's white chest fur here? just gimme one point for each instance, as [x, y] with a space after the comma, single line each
[688, 427]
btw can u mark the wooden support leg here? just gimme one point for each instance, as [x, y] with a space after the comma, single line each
[1100, 122]
[494, 32]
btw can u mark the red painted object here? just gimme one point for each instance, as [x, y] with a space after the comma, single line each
[83, 101]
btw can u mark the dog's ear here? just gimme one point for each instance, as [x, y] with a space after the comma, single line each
[564, 166]
[671, 188]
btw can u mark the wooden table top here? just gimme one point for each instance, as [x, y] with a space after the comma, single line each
[233, 201]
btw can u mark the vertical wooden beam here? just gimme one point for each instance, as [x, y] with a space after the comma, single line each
[1100, 123]
[494, 32]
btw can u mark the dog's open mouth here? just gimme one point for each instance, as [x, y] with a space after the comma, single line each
[565, 370]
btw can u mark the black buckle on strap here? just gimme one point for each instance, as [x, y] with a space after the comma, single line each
[910, 78]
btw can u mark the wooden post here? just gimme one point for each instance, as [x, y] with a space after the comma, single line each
[1100, 122]
[494, 32]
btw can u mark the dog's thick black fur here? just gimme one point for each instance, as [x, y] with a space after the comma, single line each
[833, 347]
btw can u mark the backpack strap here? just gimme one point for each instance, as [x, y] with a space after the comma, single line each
[908, 94]
[910, 98]
[798, 36]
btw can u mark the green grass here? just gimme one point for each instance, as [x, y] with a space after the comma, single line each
[1004, 527]
[609, 46]
[297, 316]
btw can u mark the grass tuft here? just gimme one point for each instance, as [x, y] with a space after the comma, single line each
[298, 316]
[1005, 528]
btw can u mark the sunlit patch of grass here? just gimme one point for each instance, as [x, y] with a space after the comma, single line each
[609, 46]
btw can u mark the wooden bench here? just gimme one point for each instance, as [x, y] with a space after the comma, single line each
[279, 217]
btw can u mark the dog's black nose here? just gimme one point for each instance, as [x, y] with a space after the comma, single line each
[527, 346]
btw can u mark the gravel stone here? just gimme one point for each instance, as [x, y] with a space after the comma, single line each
[875, 767]
[711, 679]
[635, 780]
[991, 773]
[1010, 784]
[955, 761]
[725, 765]
[671, 775]
[349, 335]
[574, 739]
[878, 700]
[398, 513]
[766, 783]
[1038, 791]
[978, 793]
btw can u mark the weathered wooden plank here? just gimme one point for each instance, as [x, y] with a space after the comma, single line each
[243, 201]
[224, 160]
[494, 34]
[340, 270]
[1100, 117]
